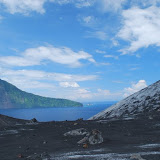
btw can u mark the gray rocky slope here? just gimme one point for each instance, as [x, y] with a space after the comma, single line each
[146, 102]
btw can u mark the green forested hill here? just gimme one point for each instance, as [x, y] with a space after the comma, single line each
[12, 97]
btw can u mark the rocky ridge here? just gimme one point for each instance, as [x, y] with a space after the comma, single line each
[146, 103]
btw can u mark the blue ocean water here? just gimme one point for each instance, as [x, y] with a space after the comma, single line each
[58, 114]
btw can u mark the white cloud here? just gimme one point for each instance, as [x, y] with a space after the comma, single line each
[105, 64]
[145, 3]
[56, 85]
[135, 88]
[41, 75]
[97, 34]
[45, 84]
[103, 92]
[103, 5]
[140, 28]
[99, 95]
[23, 6]
[87, 19]
[117, 81]
[111, 56]
[37, 56]
[29, 84]
[100, 51]
[69, 84]
[110, 5]
[77, 3]
[77, 94]
[115, 42]
[27, 6]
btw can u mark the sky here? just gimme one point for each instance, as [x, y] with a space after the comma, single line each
[83, 50]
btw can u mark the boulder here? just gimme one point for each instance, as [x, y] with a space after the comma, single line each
[77, 132]
[34, 120]
[94, 137]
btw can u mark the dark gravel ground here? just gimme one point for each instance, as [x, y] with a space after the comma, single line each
[122, 137]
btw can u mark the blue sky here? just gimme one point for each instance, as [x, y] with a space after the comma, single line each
[84, 50]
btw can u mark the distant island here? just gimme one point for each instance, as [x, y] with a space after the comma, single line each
[12, 97]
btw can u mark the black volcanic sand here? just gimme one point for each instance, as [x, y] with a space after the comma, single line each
[123, 140]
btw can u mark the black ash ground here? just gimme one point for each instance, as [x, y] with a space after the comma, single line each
[122, 140]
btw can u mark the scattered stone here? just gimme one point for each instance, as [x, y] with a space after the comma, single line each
[84, 140]
[77, 132]
[34, 120]
[43, 156]
[95, 137]
[75, 124]
[44, 142]
[80, 119]
[137, 157]
[20, 156]
[85, 145]
[150, 117]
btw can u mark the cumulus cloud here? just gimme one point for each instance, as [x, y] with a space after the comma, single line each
[23, 6]
[37, 56]
[27, 6]
[135, 88]
[50, 84]
[110, 5]
[145, 3]
[140, 28]
[69, 84]
[97, 95]
[41, 75]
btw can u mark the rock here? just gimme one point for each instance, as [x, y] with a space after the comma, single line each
[34, 120]
[20, 156]
[77, 132]
[43, 156]
[137, 157]
[85, 145]
[44, 142]
[84, 140]
[93, 138]
[80, 119]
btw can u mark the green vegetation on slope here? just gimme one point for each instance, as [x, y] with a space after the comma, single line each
[12, 97]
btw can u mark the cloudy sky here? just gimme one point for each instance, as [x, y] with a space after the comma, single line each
[85, 50]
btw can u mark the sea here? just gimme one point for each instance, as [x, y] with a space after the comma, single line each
[88, 110]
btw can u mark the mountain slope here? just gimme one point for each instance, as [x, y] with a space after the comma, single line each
[12, 97]
[143, 103]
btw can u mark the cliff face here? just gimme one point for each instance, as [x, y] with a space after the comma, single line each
[12, 97]
[143, 103]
